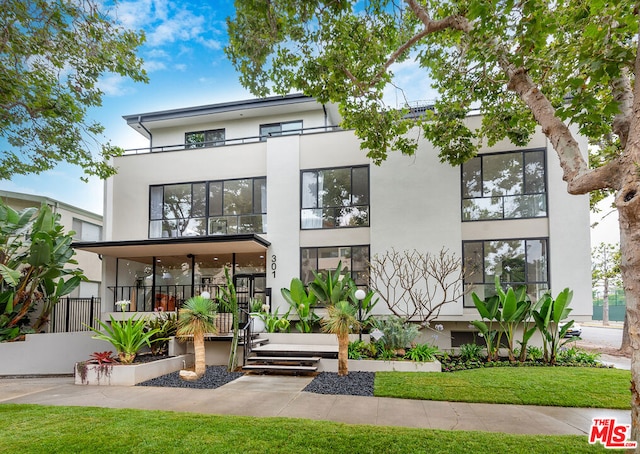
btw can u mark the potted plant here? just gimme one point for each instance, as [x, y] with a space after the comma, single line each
[258, 311]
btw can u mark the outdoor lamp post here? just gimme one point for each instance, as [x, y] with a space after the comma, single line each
[206, 295]
[360, 295]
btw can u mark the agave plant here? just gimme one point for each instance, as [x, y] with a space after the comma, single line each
[197, 317]
[127, 336]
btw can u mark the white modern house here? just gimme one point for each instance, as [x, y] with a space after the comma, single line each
[273, 188]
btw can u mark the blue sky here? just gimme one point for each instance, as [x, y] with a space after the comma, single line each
[186, 65]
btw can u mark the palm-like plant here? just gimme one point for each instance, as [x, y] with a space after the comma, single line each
[196, 317]
[341, 320]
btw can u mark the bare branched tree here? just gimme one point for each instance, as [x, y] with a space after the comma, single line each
[414, 285]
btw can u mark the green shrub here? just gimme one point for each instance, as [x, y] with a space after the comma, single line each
[397, 335]
[471, 352]
[422, 353]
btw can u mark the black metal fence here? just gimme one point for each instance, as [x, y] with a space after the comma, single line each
[75, 314]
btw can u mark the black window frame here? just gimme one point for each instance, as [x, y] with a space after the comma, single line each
[467, 300]
[206, 143]
[358, 282]
[524, 185]
[206, 208]
[351, 205]
[264, 136]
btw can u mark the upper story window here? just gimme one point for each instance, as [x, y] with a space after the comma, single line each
[336, 197]
[86, 231]
[504, 186]
[223, 207]
[354, 259]
[518, 262]
[280, 129]
[200, 139]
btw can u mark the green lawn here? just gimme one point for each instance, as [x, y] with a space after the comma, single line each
[42, 429]
[556, 386]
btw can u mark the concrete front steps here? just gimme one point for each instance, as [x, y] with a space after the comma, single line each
[291, 353]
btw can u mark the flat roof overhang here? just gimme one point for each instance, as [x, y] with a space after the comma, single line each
[162, 247]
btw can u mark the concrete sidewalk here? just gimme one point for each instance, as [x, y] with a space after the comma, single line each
[281, 396]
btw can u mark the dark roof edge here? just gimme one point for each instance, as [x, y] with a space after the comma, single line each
[218, 108]
[182, 240]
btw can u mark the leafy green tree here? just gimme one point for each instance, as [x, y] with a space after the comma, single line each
[605, 271]
[36, 268]
[52, 55]
[568, 66]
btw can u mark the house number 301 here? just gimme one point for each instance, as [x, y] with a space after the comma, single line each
[274, 265]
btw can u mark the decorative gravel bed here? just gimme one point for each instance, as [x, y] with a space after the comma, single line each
[214, 377]
[354, 384]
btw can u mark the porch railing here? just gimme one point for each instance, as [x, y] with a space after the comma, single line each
[75, 314]
[147, 298]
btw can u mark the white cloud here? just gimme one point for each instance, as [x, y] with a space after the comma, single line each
[113, 85]
[154, 65]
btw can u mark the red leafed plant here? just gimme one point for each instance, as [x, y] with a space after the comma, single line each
[103, 357]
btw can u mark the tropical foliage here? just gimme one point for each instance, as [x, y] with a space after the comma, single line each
[341, 320]
[302, 301]
[127, 336]
[36, 267]
[196, 318]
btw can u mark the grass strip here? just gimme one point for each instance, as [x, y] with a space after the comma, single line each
[554, 386]
[44, 429]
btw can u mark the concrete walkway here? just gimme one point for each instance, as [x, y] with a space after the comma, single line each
[269, 396]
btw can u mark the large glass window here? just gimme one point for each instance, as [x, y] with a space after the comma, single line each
[504, 186]
[517, 262]
[280, 129]
[335, 198]
[208, 208]
[200, 139]
[354, 260]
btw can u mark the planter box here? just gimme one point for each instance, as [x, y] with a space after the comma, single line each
[129, 374]
[369, 365]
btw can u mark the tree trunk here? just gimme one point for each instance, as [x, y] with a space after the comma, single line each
[198, 349]
[628, 203]
[625, 346]
[605, 303]
[343, 354]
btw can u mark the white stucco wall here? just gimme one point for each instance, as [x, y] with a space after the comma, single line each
[283, 216]
[415, 204]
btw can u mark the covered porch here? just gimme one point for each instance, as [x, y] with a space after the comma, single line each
[160, 274]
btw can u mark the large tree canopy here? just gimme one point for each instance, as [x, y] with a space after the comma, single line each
[52, 54]
[567, 65]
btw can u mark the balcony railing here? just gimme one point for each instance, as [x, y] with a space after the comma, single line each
[220, 143]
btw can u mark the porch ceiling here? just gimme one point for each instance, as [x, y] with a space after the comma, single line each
[226, 244]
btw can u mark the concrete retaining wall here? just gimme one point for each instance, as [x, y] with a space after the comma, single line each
[48, 354]
[366, 365]
[131, 374]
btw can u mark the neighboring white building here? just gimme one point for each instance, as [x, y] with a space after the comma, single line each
[87, 225]
[275, 188]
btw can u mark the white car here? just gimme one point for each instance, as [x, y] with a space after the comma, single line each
[574, 331]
